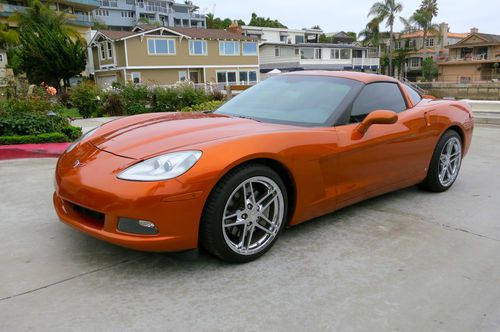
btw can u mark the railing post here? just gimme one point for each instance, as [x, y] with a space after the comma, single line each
[229, 92]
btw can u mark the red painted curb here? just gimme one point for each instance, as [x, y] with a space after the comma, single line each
[17, 151]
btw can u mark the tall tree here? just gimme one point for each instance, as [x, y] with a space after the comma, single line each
[258, 21]
[50, 50]
[370, 35]
[387, 10]
[423, 18]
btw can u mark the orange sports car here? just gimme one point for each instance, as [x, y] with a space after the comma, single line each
[289, 149]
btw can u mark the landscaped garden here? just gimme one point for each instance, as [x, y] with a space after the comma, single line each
[39, 115]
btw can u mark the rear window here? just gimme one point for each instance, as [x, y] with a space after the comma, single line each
[414, 95]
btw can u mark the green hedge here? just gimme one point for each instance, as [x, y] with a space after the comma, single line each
[32, 139]
[206, 106]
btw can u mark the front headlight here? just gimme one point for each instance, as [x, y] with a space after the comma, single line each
[84, 136]
[164, 167]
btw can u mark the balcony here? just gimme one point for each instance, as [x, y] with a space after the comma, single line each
[109, 3]
[87, 4]
[80, 20]
[364, 62]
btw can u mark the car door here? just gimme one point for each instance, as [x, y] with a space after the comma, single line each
[387, 156]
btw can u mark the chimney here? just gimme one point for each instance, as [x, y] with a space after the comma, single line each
[443, 31]
[235, 28]
[474, 30]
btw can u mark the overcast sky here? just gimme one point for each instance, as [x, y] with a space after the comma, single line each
[350, 15]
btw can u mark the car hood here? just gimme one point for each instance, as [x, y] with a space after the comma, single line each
[139, 137]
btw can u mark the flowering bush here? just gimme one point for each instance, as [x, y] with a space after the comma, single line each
[86, 98]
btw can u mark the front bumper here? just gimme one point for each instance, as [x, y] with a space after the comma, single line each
[90, 198]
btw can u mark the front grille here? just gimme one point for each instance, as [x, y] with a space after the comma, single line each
[90, 217]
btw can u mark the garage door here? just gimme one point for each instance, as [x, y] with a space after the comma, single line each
[106, 81]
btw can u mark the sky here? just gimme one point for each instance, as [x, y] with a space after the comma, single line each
[351, 15]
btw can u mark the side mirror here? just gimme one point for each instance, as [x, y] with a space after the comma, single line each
[376, 117]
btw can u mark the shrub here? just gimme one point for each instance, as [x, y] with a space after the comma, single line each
[31, 139]
[113, 104]
[206, 106]
[13, 122]
[190, 96]
[135, 98]
[165, 100]
[85, 97]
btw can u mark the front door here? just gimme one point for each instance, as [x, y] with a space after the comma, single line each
[387, 154]
[193, 77]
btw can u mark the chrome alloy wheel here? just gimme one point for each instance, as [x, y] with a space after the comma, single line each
[253, 215]
[449, 161]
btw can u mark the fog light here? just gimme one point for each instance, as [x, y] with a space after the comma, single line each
[135, 226]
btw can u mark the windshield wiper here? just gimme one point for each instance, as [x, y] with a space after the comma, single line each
[245, 117]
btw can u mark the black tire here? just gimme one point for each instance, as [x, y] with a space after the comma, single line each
[432, 182]
[212, 232]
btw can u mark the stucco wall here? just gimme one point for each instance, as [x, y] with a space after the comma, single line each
[477, 91]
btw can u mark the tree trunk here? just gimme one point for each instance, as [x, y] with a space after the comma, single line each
[424, 38]
[390, 51]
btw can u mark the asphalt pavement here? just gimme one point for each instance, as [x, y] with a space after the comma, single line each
[406, 261]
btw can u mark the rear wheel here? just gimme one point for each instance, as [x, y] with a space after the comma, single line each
[445, 163]
[244, 214]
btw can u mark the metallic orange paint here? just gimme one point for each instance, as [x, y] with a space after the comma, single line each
[328, 167]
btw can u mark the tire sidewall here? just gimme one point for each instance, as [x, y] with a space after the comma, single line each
[218, 200]
[432, 180]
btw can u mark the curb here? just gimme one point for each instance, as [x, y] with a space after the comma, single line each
[17, 151]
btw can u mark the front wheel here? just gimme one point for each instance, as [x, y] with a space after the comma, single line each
[244, 214]
[445, 163]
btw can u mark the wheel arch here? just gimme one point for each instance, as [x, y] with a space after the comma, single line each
[456, 128]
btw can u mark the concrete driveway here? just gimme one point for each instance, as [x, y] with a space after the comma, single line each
[406, 261]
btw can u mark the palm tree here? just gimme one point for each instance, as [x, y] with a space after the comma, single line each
[386, 10]
[423, 18]
[371, 33]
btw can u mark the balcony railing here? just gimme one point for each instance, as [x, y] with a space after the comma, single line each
[109, 3]
[365, 61]
[85, 3]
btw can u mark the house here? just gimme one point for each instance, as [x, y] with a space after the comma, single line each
[340, 37]
[163, 56]
[125, 14]
[280, 35]
[79, 12]
[474, 58]
[434, 46]
[294, 49]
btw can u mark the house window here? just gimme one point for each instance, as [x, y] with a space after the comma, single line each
[429, 42]
[102, 51]
[397, 45]
[161, 46]
[307, 53]
[277, 51]
[226, 77]
[182, 76]
[283, 39]
[299, 39]
[317, 53]
[229, 48]
[415, 62]
[110, 50]
[340, 53]
[198, 47]
[249, 48]
[297, 51]
[412, 43]
[128, 14]
[248, 76]
[1, 57]
[136, 78]
[102, 12]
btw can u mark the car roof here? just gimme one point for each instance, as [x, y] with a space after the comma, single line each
[361, 77]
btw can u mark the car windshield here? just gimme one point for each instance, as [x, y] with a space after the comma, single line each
[298, 100]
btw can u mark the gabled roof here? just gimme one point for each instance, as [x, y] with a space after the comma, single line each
[485, 39]
[195, 33]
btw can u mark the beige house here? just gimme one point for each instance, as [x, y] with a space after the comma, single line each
[434, 46]
[163, 56]
[474, 58]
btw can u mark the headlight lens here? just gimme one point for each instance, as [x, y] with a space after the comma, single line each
[164, 167]
[84, 136]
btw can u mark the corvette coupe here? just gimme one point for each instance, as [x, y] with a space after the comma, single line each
[287, 150]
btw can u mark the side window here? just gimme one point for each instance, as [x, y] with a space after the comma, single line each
[377, 96]
[414, 95]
